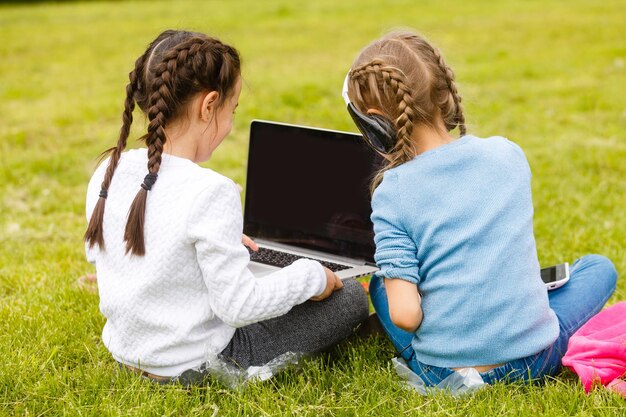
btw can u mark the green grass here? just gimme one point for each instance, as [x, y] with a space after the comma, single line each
[550, 75]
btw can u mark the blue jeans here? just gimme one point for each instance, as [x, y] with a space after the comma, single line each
[592, 282]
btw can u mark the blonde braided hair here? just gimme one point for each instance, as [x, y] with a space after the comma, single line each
[374, 76]
[406, 79]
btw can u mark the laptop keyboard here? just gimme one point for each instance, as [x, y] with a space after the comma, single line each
[283, 259]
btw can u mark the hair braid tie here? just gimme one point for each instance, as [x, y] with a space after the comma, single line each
[149, 181]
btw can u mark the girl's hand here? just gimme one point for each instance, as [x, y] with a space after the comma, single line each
[249, 243]
[333, 283]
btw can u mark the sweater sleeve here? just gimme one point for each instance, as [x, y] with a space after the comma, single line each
[396, 253]
[236, 296]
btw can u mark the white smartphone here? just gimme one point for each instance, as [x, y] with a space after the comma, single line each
[555, 276]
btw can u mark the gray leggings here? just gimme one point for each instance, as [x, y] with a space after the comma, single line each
[308, 328]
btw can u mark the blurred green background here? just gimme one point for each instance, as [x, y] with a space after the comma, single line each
[549, 75]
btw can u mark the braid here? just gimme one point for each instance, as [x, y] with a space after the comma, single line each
[94, 234]
[393, 83]
[175, 66]
[162, 104]
[458, 116]
[406, 78]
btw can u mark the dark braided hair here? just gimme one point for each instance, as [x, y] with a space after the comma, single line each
[175, 66]
[405, 78]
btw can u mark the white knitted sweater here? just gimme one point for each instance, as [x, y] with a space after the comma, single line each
[166, 310]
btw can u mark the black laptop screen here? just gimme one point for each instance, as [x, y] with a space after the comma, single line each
[310, 188]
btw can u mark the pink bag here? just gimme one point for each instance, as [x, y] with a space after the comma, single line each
[597, 351]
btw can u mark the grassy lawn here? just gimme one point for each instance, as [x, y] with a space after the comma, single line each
[549, 75]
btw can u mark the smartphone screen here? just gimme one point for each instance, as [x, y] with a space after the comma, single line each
[553, 273]
[548, 275]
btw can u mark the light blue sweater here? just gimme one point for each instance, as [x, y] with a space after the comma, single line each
[458, 222]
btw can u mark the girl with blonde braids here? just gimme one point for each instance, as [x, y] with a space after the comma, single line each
[459, 283]
[166, 234]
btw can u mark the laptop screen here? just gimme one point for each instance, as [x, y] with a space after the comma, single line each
[309, 188]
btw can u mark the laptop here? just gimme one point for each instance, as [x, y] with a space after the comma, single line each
[307, 196]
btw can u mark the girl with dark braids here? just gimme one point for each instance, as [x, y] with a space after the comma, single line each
[165, 234]
[459, 283]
